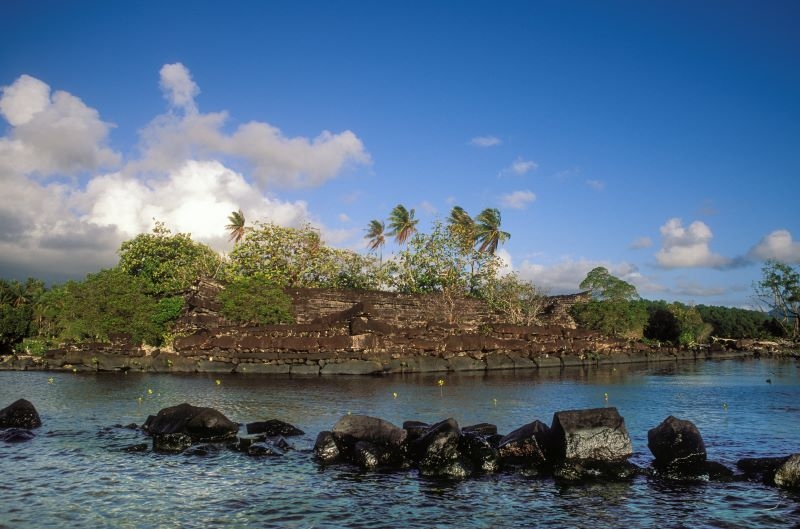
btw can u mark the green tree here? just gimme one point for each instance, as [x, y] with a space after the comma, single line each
[402, 223]
[488, 232]
[168, 263]
[463, 227]
[613, 309]
[236, 226]
[254, 300]
[675, 323]
[779, 291]
[105, 303]
[17, 305]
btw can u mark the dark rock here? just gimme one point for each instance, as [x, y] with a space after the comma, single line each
[761, 468]
[592, 469]
[706, 471]
[200, 424]
[20, 414]
[437, 452]
[676, 442]
[353, 428]
[243, 443]
[264, 449]
[597, 434]
[788, 474]
[136, 449]
[16, 435]
[479, 452]
[171, 443]
[273, 427]
[483, 429]
[326, 449]
[366, 455]
[415, 430]
[525, 446]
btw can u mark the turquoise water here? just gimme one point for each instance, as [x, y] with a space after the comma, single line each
[75, 473]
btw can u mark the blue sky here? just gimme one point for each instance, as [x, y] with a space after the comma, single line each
[658, 139]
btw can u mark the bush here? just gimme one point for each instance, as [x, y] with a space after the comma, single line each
[254, 300]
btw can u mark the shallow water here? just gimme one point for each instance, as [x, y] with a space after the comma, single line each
[75, 474]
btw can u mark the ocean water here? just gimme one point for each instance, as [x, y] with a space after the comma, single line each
[75, 473]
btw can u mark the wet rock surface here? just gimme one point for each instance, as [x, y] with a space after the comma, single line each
[20, 414]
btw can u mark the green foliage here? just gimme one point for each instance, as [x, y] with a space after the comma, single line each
[167, 263]
[167, 310]
[105, 303]
[402, 223]
[779, 291]
[254, 300]
[615, 309]
[614, 318]
[605, 286]
[674, 323]
[17, 307]
[727, 322]
[297, 257]
[439, 263]
[518, 300]
[32, 346]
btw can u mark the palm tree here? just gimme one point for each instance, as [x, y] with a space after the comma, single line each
[402, 223]
[488, 232]
[236, 226]
[376, 235]
[462, 226]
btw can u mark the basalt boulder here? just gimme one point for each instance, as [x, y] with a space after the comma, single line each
[525, 446]
[366, 441]
[437, 453]
[761, 468]
[272, 428]
[597, 434]
[197, 423]
[20, 414]
[676, 443]
[788, 474]
[479, 451]
[326, 449]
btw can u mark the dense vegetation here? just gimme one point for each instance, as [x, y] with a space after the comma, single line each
[143, 295]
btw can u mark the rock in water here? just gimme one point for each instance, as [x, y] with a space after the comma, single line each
[16, 435]
[353, 428]
[20, 414]
[677, 443]
[788, 475]
[595, 434]
[273, 428]
[525, 446]
[326, 450]
[437, 452]
[200, 424]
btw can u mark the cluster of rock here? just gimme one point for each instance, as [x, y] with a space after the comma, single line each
[579, 445]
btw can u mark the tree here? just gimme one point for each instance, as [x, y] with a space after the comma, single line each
[17, 307]
[376, 235]
[168, 263]
[779, 290]
[402, 223]
[614, 309]
[236, 226]
[519, 301]
[488, 232]
[462, 226]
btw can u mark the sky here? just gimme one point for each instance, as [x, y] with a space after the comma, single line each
[658, 139]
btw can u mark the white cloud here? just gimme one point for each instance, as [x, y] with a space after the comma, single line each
[640, 243]
[517, 199]
[343, 217]
[178, 87]
[485, 141]
[688, 247]
[597, 185]
[57, 228]
[777, 245]
[566, 276]
[51, 135]
[521, 167]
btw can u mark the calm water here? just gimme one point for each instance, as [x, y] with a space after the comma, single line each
[75, 474]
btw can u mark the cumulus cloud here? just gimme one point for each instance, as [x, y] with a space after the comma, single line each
[521, 167]
[688, 247]
[485, 141]
[640, 243]
[51, 134]
[178, 87]
[517, 199]
[274, 158]
[56, 229]
[777, 245]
